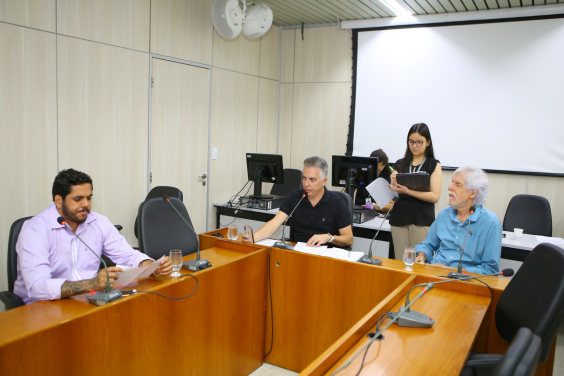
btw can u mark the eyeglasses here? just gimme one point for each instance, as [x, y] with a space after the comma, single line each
[413, 143]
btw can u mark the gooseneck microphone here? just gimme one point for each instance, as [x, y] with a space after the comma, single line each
[282, 244]
[197, 264]
[99, 298]
[368, 259]
[415, 319]
[459, 274]
[377, 335]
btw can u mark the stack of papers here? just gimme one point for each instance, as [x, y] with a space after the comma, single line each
[547, 239]
[336, 253]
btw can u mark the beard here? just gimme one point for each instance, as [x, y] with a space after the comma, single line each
[457, 204]
[71, 216]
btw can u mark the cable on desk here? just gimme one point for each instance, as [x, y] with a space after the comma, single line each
[380, 319]
[238, 206]
[169, 297]
[476, 279]
[271, 311]
[491, 291]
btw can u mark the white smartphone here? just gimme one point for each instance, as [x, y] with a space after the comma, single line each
[249, 232]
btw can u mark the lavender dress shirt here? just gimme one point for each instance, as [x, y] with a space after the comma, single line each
[49, 254]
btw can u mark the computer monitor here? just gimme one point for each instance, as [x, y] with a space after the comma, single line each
[353, 172]
[264, 168]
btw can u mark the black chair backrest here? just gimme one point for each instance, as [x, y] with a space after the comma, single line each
[161, 229]
[535, 297]
[12, 254]
[522, 356]
[531, 213]
[159, 192]
[292, 180]
[348, 201]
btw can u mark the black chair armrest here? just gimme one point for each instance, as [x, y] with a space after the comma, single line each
[482, 364]
[11, 300]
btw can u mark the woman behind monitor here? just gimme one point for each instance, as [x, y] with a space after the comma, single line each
[383, 172]
[414, 212]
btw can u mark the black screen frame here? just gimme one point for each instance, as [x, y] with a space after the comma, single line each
[350, 138]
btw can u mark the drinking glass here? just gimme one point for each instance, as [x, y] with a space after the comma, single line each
[409, 258]
[233, 232]
[176, 258]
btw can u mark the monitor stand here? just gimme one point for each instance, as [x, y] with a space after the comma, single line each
[257, 193]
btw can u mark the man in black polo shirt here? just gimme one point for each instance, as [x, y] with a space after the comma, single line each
[322, 218]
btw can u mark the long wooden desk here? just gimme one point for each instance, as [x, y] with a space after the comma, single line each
[322, 309]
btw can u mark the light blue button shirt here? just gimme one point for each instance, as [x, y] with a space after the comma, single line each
[446, 237]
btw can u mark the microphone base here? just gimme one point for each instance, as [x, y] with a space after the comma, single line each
[369, 260]
[196, 265]
[455, 275]
[413, 319]
[101, 298]
[283, 245]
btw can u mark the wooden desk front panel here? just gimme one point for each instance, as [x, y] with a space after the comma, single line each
[316, 300]
[217, 331]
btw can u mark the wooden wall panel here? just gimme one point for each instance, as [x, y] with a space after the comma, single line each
[320, 121]
[38, 14]
[267, 127]
[285, 123]
[123, 23]
[241, 54]
[287, 60]
[103, 124]
[233, 133]
[182, 29]
[325, 55]
[270, 53]
[28, 127]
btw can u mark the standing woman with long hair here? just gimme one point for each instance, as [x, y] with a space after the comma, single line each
[414, 212]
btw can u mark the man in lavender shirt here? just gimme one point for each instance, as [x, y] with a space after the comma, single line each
[53, 263]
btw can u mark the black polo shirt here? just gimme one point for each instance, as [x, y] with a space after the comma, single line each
[328, 216]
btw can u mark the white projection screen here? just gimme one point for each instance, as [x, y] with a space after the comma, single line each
[492, 94]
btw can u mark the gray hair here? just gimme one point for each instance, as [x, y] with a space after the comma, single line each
[477, 181]
[318, 162]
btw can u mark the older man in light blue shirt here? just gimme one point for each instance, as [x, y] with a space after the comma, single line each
[445, 239]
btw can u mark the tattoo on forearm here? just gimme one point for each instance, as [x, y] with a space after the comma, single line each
[69, 289]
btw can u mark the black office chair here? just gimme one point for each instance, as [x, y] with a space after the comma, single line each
[520, 359]
[159, 192]
[533, 299]
[533, 215]
[10, 299]
[161, 229]
[522, 356]
[292, 180]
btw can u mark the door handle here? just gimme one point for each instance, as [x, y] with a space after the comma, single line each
[203, 176]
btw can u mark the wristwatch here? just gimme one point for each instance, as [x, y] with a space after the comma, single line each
[332, 238]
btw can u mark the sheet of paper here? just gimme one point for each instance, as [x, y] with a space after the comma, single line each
[128, 275]
[302, 247]
[380, 191]
[131, 273]
[150, 269]
[343, 254]
[267, 242]
[546, 239]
